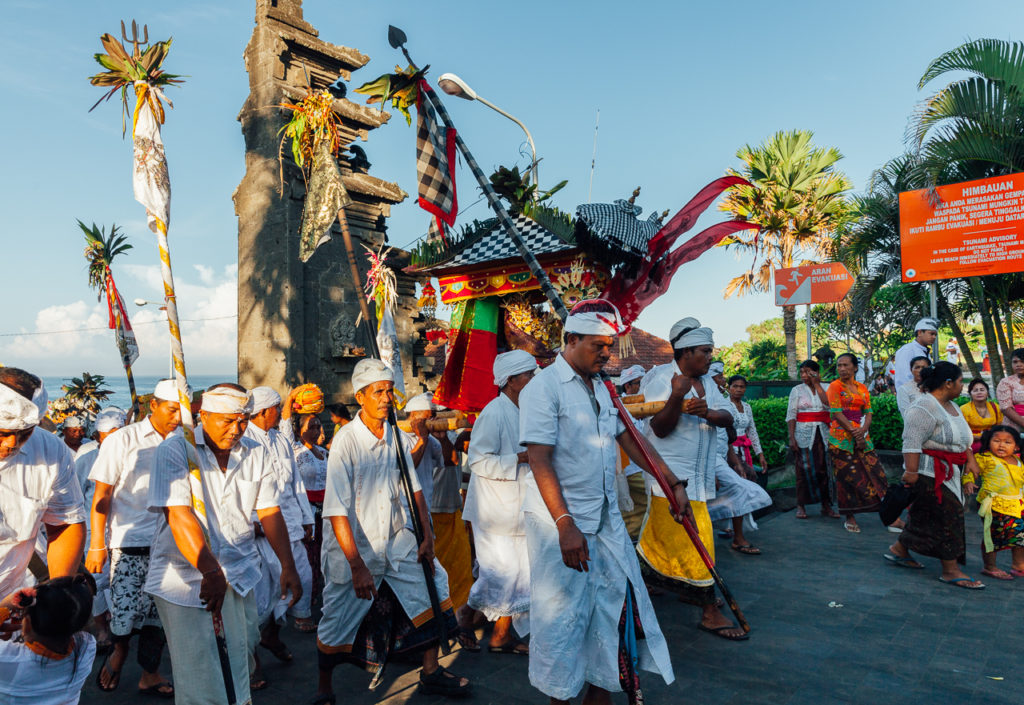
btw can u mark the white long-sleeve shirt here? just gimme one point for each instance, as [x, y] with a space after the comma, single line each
[902, 361]
[497, 484]
[291, 490]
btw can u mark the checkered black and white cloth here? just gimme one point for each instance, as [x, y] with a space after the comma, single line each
[618, 223]
[435, 162]
[497, 245]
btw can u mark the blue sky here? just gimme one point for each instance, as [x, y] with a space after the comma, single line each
[680, 87]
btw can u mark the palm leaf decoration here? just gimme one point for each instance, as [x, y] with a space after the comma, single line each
[313, 120]
[400, 87]
[124, 70]
[87, 392]
[100, 251]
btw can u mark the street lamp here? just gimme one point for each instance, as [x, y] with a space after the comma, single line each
[162, 307]
[453, 85]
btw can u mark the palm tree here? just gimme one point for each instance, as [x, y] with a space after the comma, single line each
[797, 197]
[86, 392]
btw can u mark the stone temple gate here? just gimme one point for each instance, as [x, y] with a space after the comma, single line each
[297, 321]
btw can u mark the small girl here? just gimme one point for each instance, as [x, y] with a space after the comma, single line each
[48, 662]
[1002, 478]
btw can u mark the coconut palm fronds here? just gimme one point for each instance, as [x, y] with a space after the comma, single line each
[100, 251]
[400, 87]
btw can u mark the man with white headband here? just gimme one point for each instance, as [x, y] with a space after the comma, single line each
[499, 467]
[629, 379]
[685, 432]
[376, 603]
[122, 473]
[584, 575]
[925, 334]
[37, 486]
[204, 555]
[298, 517]
[108, 420]
[441, 479]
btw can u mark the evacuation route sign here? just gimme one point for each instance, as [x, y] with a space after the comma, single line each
[969, 229]
[812, 284]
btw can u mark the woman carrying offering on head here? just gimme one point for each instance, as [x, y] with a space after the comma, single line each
[860, 478]
[807, 418]
[981, 412]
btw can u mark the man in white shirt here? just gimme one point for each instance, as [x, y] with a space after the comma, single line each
[38, 487]
[499, 467]
[108, 420]
[120, 509]
[204, 557]
[298, 517]
[584, 574]
[73, 433]
[925, 333]
[376, 603]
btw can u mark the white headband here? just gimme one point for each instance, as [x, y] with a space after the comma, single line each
[595, 322]
[512, 363]
[264, 398]
[74, 422]
[421, 402]
[109, 419]
[41, 399]
[225, 400]
[631, 374]
[717, 368]
[370, 370]
[16, 412]
[167, 390]
[926, 324]
[688, 333]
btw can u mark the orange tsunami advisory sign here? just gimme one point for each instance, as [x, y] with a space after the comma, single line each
[976, 228]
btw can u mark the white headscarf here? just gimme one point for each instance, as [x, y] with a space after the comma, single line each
[688, 333]
[512, 363]
[167, 390]
[41, 399]
[926, 324]
[370, 370]
[16, 412]
[595, 322]
[225, 400]
[717, 368]
[264, 398]
[421, 402]
[109, 419]
[74, 422]
[631, 374]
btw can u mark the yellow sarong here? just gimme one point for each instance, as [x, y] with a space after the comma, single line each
[451, 548]
[667, 549]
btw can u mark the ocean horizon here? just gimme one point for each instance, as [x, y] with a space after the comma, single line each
[144, 384]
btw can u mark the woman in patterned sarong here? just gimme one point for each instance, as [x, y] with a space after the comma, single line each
[860, 478]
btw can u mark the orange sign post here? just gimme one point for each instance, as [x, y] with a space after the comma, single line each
[974, 228]
[812, 284]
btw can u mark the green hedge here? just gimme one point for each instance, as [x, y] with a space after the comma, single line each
[770, 417]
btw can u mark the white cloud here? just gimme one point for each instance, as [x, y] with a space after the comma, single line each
[207, 308]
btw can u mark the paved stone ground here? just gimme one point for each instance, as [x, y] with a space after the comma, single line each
[893, 636]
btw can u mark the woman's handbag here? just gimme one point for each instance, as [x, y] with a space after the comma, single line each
[897, 498]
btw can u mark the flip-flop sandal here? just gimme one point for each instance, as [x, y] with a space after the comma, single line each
[467, 640]
[442, 682]
[748, 549]
[962, 583]
[1017, 573]
[305, 625]
[725, 534]
[903, 562]
[512, 647]
[852, 528]
[720, 632]
[801, 515]
[155, 691]
[115, 676]
[258, 683]
[997, 574]
[279, 650]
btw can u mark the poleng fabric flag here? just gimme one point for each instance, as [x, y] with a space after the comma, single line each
[117, 320]
[390, 355]
[150, 180]
[325, 196]
[435, 162]
[467, 383]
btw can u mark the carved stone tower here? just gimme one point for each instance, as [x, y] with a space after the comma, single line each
[296, 321]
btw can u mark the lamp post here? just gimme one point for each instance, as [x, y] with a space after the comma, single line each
[162, 307]
[453, 85]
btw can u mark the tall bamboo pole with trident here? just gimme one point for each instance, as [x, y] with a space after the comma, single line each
[144, 73]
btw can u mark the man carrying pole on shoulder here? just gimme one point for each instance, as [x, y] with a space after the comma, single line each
[376, 604]
[204, 556]
[591, 620]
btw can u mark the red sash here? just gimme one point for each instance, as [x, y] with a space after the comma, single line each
[743, 446]
[944, 462]
[813, 417]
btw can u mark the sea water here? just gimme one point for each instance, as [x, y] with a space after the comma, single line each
[144, 384]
